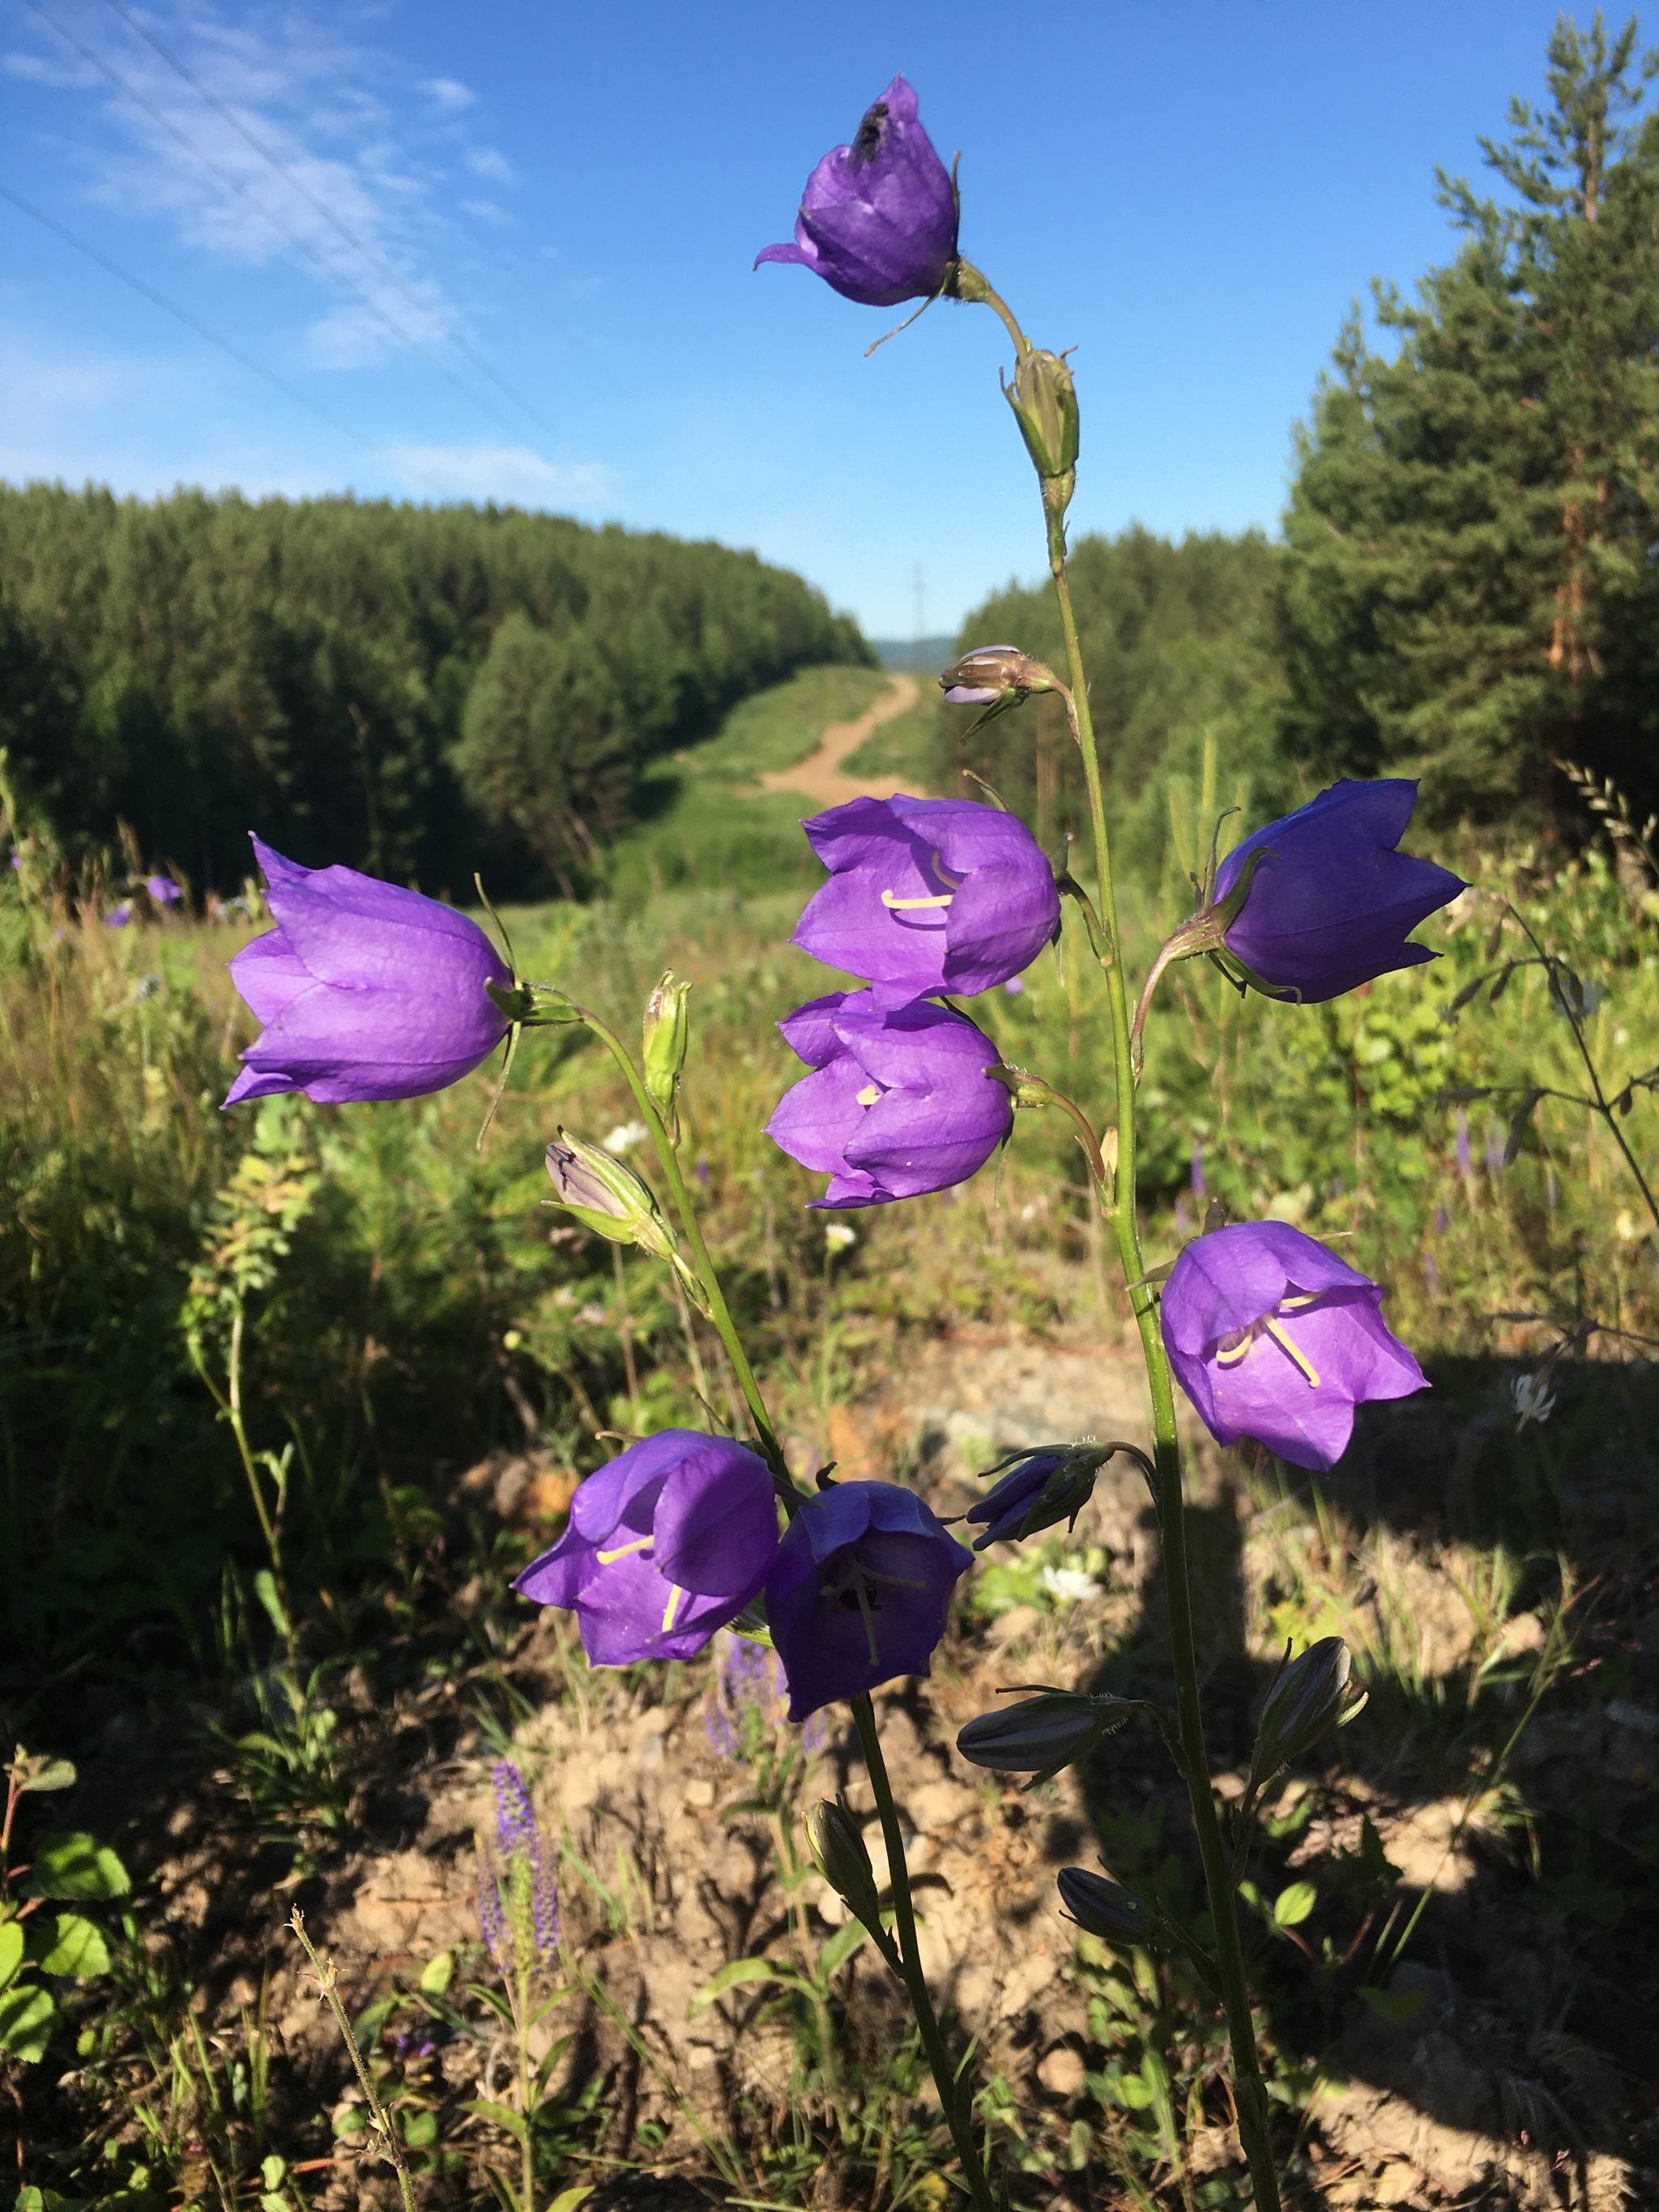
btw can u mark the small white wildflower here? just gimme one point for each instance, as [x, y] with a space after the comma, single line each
[837, 1235]
[624, 1137]
[1533, 1399]
[1069, 1585]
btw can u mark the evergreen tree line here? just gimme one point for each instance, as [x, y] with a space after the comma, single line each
[418, 692]
[1468, 586]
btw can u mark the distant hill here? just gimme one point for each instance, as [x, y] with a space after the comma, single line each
[916, 656]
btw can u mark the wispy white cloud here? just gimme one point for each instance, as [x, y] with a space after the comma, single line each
[486, 161]
[487, 211]
[512, 475]
[274, 147]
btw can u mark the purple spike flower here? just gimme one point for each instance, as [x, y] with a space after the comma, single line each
[366, 991]
[515, 1816]
[927, 895]
[897, 1104]
[492, 1920]
[518, 1893]
[858, 1593]
[119, 916]
[665, 1544]
[878, 219]
[1273, 1337]
[1332, 902]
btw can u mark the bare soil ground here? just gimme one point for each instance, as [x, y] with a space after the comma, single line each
[818, 776]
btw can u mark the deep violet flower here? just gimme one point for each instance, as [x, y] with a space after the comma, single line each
[665, 1544]
[366, 990]
[897, 1104]
[878, 219]
[1331, 902]
[119, 916]
[863, 1576]
[927, 895]
[163, 890]
[1273, 1337]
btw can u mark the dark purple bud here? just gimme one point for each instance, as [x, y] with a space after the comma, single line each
[366, 991]
[1331, 901]
[859, 1595]
[1272, 1337]
[1102, 1907]
[1040, 1488]
[927, 895]
[878, 219]
[897, 1104]
[665, 1544]
[1044, 1734]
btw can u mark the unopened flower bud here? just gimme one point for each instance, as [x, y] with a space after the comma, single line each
[841, 1857]
[993, 673]
[606, 1196]
[1310, 1695]
[1043, 1735]
[1044, 401]
[667, 1033]
[1041, 1488]
[1102, 1907]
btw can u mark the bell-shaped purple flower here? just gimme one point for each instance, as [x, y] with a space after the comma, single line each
[1331, 902]
[366, 990]
[927, 895]
[864, 1574]
[163, 890]
[1273, 1337]
[665, 1544]
[878, 219]
[897, 1104]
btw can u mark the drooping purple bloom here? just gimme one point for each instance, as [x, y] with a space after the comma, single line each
[927, 895]
[1332, 902]
[119, 916]
[878, 219]
[1273, 1337]
[163, 890]
[665, 1544]
[1040, 1488]
[897, 1104]
[858, 1593]
[366, 990]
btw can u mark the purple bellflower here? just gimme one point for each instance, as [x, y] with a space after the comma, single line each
[119, 916]
[878, 219]
[927, 895]
[1273, 1337]
[665, 1544]
[897, 1104]
[864, 1574]
[365, 990]
[1331, 902]
[163, 890]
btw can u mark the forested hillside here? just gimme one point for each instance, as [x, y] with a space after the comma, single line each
[418, 692]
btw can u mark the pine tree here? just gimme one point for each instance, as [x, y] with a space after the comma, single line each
[1469, 591]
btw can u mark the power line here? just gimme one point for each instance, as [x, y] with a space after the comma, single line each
[330, 215]
[182, 315]
[235, 183]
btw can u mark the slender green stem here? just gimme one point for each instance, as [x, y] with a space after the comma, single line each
[718, 1312]
[1223, 1912]
[328, 1989]
[915, 1982]
[521, 2021]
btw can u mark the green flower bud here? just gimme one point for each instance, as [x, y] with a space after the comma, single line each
[1308, 1698]
[1104, 1908]
[606, 1196]
[1044, 401]
[840, 1854]
[994, 673]
[1046, 1732]
[667, 1033]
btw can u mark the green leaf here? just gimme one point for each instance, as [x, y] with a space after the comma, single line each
[70, 1864]
[1292, 1905]
[1398, 2009]
[78, 1950]
[41, 1773]
[265, 1588]
[839, 1948]
[273, 2170]
[11, 1950]
[437, 1974]
[500, 2114]
[568, 2199]
[739, 1970]
[26, 2013]
[420, 2129]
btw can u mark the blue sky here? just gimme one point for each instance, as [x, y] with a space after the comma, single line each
[505, 250]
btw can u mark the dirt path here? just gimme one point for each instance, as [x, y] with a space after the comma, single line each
[819, 777]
